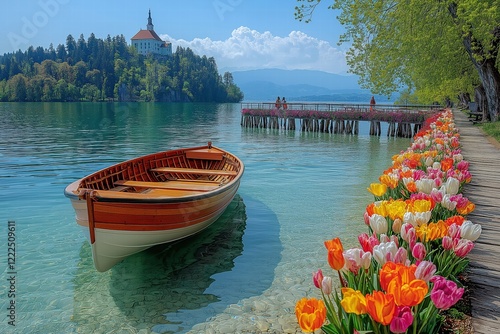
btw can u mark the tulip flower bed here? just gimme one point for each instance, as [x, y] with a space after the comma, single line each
[404, 274]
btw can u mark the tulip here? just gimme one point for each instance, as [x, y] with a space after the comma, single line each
[311, 314]
[445, 293]
[466, 209]
[318, 278]
[408, 294]
[401, 256]
[452, 185]
[446, 164]
[356, 258]
[425, 271]
[367, 242]
[335, 253]
[447, 203]
[385, 252]
[425, 185]
[377, 189]
[381, 307]
[447, 243]
[378, 224]
[470, 231]
[462, 247]
[396, 225]
[454, 231]
[410, 218]
[353, 301]
[418, 251]
[437, 195]
[326, 285]
[403, 318]
[422, 217]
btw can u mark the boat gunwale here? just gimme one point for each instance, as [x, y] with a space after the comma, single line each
[74, 192]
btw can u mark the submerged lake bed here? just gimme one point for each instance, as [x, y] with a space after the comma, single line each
[244, 273]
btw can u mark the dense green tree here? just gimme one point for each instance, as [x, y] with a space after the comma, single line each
[435, 49]
[109, 69]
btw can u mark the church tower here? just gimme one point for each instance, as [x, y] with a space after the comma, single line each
[147, 41]
[150, 25]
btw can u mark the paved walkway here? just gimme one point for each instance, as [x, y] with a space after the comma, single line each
[483, 155]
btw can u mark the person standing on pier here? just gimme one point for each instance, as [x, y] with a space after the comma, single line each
[372, 103]
[285, 106]
[278, 103]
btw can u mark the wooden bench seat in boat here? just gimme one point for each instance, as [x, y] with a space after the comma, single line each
[205, 154]
[175, 185]
[194, 171]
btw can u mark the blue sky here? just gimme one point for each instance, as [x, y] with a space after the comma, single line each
[239, 34]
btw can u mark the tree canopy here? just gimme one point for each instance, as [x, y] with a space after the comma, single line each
[109, 69]
[434, 50]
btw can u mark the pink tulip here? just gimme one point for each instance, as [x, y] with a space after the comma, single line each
[454, 231]
[445, 293]
[418, 251]
[402, 319]
[367, 242]
[447, 242]
[425, 271]
[462, 247]
[318, 278]
[401, 256]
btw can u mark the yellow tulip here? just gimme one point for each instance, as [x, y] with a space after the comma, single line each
[377, 189]
[353, 301]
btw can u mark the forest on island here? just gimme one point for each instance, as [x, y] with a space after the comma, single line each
[110, 70]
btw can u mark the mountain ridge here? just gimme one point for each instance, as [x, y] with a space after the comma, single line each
[300, 85]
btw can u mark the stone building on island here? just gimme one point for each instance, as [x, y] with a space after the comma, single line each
[148, 42]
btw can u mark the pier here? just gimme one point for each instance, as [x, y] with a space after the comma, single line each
[404, 121]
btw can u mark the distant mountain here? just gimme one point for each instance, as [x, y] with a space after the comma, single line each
[300, 85]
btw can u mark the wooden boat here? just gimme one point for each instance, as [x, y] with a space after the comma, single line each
[158, 198]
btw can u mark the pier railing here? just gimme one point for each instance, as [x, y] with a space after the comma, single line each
[404, 120]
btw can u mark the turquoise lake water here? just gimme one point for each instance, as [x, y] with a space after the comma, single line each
[298, 190]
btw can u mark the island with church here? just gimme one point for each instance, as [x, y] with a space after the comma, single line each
[110, 69]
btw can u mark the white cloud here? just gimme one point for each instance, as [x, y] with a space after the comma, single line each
[248, 49]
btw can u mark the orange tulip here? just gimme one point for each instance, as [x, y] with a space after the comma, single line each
[466, 209]
[458, 220]
[353, 301]
[408, 294]
[388, 181]
[381, 307]
[311, 314]
[446, 164]
[391, 271]
[335, 253]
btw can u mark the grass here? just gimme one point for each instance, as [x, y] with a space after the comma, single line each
[492, 129]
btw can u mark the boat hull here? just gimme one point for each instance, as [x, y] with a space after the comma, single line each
[121, 224]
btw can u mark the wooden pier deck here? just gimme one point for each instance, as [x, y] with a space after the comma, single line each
[483, 155]
[341, 118]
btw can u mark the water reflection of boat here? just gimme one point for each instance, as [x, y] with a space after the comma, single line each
[162, 279]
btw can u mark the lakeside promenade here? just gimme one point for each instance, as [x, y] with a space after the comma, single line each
[483, 155]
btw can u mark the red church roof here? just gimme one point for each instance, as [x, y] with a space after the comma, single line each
[147, 34]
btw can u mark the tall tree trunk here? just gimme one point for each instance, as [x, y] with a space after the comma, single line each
[481, 102]
[483, 57]
[490, 80]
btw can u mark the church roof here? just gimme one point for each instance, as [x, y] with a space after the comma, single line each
[147, 34]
